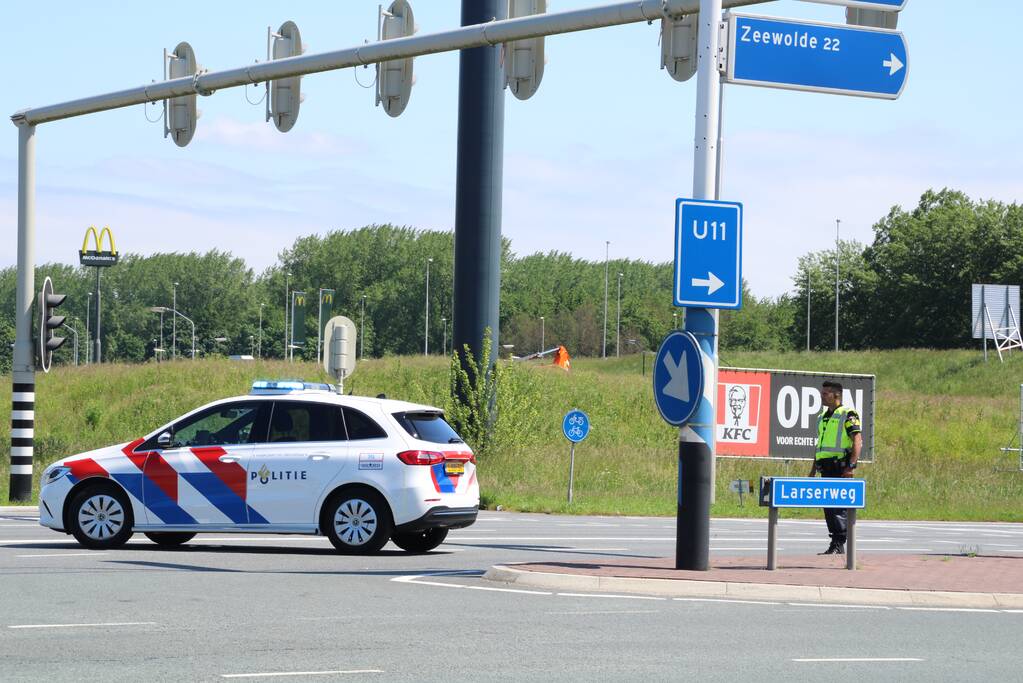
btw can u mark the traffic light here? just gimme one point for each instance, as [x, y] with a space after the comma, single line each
[48, 322]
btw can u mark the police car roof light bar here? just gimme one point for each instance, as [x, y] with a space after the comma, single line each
[284, 386]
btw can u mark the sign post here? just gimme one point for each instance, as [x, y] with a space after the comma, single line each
[576, 427]
[810, 492]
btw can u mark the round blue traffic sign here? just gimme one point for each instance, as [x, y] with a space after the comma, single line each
[575, 425]
[678, 377]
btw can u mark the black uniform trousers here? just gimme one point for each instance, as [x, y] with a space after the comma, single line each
[835, 517]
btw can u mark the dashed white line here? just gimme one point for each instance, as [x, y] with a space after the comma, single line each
[623, 611]
[337, 672]
[860, 659]
[110, 623]
[90, 554]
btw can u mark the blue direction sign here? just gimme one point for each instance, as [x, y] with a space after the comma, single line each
[805, 55]
[708, 254]
[575, 425]
[678, 377]
[808, 492]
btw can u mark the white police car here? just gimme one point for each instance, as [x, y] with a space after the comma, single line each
[290, 457]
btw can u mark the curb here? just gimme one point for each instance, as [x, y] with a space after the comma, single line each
[7, 509]
[753, 591]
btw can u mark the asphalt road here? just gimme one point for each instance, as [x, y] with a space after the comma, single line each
[237, 607]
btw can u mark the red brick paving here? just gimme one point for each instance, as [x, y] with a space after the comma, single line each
[982, 574]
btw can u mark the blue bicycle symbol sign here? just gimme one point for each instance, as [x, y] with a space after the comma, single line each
[576, 426]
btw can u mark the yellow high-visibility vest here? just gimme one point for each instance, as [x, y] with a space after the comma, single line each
[832, 439]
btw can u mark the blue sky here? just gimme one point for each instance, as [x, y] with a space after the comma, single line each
[599, 153]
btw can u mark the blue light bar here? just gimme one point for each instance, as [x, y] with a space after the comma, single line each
[269, 386]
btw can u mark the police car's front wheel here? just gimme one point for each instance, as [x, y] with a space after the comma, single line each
[100, 517]
[357, 522]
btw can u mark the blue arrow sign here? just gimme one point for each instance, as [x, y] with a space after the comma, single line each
[575, 425]
[806, 55]
[678, 377]
[807, 492]
[708, 254]
[883, 5]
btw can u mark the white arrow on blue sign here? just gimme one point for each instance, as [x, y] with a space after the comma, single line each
[575, 425]
[708, 254]
[817, 57]
[678, 377]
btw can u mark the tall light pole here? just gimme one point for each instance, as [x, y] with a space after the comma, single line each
[174, 324]
[287, 298]
[838, 225]
[607, 251]
[807, 309]
[426, 326]
[618, 324]
[444, 338]
[260, 345]
[362, 331]
[88, 344]
[541, 332]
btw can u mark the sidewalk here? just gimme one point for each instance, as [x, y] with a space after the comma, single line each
[990, 581]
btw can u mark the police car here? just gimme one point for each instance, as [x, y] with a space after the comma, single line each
[290, 457]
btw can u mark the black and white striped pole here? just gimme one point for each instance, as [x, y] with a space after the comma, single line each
[23, 398]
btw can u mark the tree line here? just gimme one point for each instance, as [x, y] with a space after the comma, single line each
[909, 288]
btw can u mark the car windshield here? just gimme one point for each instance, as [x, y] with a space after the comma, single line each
[428, 427]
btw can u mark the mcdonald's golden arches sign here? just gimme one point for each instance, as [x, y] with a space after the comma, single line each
[97, 256]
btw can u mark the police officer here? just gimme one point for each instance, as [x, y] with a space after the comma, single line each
[839, 443]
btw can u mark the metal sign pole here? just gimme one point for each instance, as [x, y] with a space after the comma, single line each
[772, 538]
[850, 553]
[571, 470]
[696, 439]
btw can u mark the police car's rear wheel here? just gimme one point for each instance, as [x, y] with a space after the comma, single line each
[358, 522]
[100, 517]
[170, 539]
[419, 541]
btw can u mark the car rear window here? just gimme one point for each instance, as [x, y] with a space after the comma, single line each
[428, 427]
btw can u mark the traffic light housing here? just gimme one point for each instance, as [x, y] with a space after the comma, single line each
[48, 322]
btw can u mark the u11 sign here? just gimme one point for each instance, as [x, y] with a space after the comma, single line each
[773, 413]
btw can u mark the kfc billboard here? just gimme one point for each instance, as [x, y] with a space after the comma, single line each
[773, 413]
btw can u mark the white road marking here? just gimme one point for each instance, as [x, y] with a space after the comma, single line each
[304, 673]
[861, 659]
[728, 600]
[90, 554]
[418, 580]
[825, 604]
[624, 611]
[610, 596]
[111, 623]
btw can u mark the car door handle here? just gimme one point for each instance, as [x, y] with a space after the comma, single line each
[227, 458]
[319, 456]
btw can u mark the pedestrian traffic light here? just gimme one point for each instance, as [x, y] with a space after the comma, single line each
[394, 77]
[524, 59]
[285, 93]
[48, 322]
[180, 113]
[678, 46]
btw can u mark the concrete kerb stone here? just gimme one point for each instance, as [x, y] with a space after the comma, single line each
[751, 591]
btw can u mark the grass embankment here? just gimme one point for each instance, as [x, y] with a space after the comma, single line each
[941, 419]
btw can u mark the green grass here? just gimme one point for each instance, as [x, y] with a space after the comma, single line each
[941, 419]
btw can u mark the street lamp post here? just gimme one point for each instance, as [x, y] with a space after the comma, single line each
[607, 251]
[838, 225]
[362, 331]
[426, 327]
[259, 347]
[74, 332]
[287, 296]
[444, 338]
[163, 309]
[174, 324]
[542, 330]
[807, 309]
[88, 344]
[618, 323]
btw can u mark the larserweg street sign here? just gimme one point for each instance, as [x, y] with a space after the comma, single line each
[816, 57]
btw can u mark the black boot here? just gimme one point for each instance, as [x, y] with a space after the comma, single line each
[839, 549]
[830, 551]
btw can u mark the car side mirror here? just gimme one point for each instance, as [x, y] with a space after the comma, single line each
[164, 440]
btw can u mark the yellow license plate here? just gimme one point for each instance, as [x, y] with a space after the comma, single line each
[451, 467]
